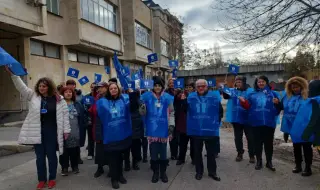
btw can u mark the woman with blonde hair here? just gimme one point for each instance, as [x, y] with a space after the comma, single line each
[296, 95]
[46, 125]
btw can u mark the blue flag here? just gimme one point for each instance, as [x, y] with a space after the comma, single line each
[15, 67]
[174, 73]
[152, 58]
[234, 69]
[228, 91]
[132, 85]
[211, 82]
[88, 100]
[179, 83]
[146, 84]
[97, 77]
[136, 76]
[173, 63]
[74, 73]
[122, 74]
[107, 69]
[141, 73]
[84, 80]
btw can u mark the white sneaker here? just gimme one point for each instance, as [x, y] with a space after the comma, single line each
[89, 157]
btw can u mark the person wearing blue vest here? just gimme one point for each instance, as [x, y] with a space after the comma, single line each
[238, 116]
[263, 118]
[295, 97]
[204, 115]
[114, 115]
[158, 110]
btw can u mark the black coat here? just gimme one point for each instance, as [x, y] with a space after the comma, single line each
[82, 122]
[136, 119]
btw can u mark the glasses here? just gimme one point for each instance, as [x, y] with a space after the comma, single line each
[201, 86]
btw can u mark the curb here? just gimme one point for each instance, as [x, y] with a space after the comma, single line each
[6, 150]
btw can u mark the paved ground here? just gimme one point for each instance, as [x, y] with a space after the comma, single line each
[19, 172]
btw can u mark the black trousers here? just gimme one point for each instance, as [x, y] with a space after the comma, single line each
[115, 159]
[135, 150]
[174, 144]
[210, 144]
[69, 154]
[90, 141]
[183, 146]
[307, 152]
[238, 130]
[144, 141]
[263, 137]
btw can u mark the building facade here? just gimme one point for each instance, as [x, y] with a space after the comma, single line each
[49, 36]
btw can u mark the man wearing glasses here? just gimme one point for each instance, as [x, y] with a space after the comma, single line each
[203, 121]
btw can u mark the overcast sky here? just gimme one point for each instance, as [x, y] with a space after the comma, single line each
[198, 14]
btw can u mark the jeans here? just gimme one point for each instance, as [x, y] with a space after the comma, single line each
[47, 149]
[183, 146]
[69, 154]
[263, 137]
[238, 130]
[158, 151]
[211, 146]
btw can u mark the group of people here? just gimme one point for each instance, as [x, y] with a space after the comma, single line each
[119, 122]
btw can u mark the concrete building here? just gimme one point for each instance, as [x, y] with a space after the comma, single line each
[47, 40]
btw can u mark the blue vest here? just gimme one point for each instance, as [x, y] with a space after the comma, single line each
[115, 118]
[203, 114]
[156, 119]
[235, 112]
[302, 121]
[262, 111]
[290, 109]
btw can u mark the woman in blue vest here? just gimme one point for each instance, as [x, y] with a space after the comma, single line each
[159, 117]
[296, 94]
[238, 116]
[203, 122]
[114, 115]
[263, 118]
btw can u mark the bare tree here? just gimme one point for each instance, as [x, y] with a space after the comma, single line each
[217, 56]
[277, 23]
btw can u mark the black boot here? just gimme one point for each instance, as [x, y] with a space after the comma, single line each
[297, 169]
[239, 157]
[163, 169]
[115, 184]
[270, 166]
[180, 162]
[155, 169]
[307, 171]
[259, 164]
[127, 165]
[145, 159]
[99, 172]
[135, 165]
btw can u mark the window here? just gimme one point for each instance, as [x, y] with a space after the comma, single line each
[44, 49]
[143, 35]
[164, 47]
[85, 58]
[53, 6]
[100, 13]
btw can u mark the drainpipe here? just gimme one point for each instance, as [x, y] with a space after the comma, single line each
[20, 97]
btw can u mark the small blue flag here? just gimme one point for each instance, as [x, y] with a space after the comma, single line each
[174, 73]
[84, 80]
[15, 67]
[141, 73]
[88, 100]
[122, 74]
[152, 58]
[234, 69]
[107, 68]
[97, 77]
[179, 83]
[173, 63]
[132, 85]
[136, 76]
[73, 73]
[146, 84]
[212, 82]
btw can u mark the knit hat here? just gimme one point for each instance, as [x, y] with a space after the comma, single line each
[158, 80]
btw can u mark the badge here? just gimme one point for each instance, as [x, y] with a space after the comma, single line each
[158, 105]
[44, 111]
[114, 110]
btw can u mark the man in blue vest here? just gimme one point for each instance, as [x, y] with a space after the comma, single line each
[203, 121]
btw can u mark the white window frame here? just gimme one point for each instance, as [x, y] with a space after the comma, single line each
[49, 8]
[164, 47]
[99, 10]
[143, 36]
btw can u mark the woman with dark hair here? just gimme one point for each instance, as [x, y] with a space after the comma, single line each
[115, 130]
[46, 125]
[78, 126]
[158, 110]
[263, 118]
